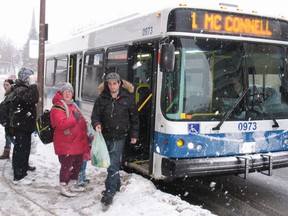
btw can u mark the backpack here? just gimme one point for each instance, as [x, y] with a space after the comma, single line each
[44, 127]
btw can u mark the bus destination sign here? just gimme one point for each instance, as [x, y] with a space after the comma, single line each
[214, 22]
[232, 24]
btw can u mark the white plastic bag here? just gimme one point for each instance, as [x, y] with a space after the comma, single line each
[33, 149]
[99, 152]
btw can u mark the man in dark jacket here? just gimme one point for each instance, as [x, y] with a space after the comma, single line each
[115, 114]
[24, 98]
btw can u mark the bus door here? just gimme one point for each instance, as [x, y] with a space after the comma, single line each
[141, 64]
[75, 65]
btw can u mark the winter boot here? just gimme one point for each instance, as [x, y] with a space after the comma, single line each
[31, 168]
[74, 187]
[64, 190]
[82, 180]
[107, 200]
[6, 154]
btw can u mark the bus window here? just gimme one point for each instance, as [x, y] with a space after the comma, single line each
[61, 70]
[196, 79]
[142, 77]
[49, 81]
[117, 62]
[228, 75]
[286, 68]
[284, 79]
[171, 89]
[92, 76]
[267, 62]
[143, 68]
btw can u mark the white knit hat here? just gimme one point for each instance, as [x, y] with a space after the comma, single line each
[67, 86]
[24, 74]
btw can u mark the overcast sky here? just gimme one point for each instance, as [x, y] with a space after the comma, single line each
[67, 16]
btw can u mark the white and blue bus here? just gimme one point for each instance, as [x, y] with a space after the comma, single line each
[211, 86]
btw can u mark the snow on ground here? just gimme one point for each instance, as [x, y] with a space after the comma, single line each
[138, 196]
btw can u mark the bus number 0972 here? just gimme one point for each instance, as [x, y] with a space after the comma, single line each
[247, 126]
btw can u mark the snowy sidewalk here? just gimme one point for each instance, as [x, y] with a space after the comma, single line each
[138, 196]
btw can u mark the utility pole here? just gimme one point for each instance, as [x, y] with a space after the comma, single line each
[41, 57]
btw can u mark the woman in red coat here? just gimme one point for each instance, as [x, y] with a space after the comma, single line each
[70, 139]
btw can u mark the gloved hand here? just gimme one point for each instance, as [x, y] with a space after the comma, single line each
[32, 79]
[76, 115]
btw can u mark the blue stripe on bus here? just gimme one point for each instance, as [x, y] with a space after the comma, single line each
[214, 145]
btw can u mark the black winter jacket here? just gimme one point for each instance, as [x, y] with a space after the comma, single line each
[4, 110]
[23, 111]
[118, 117]
[6, 113]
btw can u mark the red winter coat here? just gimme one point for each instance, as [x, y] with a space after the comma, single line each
[70, 135]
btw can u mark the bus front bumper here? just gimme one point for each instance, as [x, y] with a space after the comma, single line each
[242, 164]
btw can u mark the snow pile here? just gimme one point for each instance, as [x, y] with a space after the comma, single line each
[138, 196]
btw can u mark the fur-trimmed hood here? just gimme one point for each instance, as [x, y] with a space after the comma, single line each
[125, 84]
[118, 116]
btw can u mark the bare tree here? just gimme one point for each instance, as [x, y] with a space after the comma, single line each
[10, 56]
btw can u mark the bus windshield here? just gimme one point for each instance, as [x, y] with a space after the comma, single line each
[211, 75]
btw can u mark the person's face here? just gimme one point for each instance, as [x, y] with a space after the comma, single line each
[7, 86]
[67, 95]
[114, 86]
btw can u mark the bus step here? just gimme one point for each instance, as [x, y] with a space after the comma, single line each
[246, 161]
[270, 164]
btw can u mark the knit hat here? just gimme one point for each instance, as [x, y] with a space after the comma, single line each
[24, 73]
[112, 76]
[67, 86]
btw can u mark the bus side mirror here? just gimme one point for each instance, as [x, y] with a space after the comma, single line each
[167, 61]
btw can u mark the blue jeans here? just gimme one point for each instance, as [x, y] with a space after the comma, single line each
[112, 182]
[82, 175]
[8, 141]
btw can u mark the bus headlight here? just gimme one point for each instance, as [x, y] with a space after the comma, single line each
[199, 148]
[191, 146]
[286, 141]
[180, 143]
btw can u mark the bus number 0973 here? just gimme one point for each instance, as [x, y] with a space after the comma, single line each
[247, 126]
[147, 31]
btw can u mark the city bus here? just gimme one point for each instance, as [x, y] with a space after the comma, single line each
[210, 84]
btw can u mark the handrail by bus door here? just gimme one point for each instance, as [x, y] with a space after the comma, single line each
[144, 102]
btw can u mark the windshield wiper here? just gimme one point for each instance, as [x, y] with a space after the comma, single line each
[262, 99]
[231, 110]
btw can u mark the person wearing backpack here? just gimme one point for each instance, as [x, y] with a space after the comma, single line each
[5, 121]
[70, 139]
[5, 105]
[22, 113]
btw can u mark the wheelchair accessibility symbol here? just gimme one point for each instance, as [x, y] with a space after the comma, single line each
[193, 128]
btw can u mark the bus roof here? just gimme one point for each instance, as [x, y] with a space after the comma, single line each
[108, 33]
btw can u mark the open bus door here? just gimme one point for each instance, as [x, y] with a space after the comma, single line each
[75, 65]
[139, 156]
